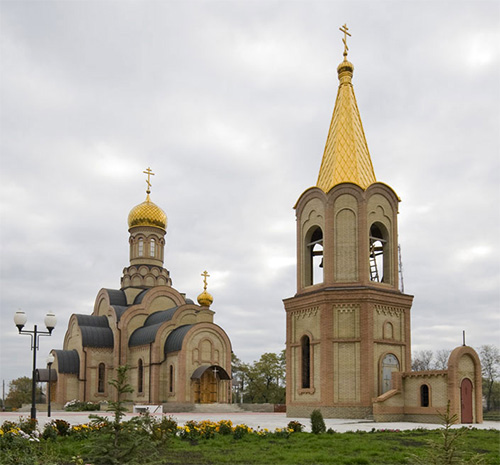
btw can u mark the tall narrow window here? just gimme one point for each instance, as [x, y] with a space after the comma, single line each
[171, 379]
[306, 362]
[140, 376]
[390, 363]
[141, 248]
[424, 395]
[314, 256]
[101, 373]
[152, 248]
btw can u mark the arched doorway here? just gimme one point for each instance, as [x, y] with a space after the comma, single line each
[466, 401]
[207, 385]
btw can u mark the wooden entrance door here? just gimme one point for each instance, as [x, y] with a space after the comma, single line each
[466, 400]
[208, 388]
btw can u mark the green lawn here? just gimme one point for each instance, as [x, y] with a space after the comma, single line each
[384, 448]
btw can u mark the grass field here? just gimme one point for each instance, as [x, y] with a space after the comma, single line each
[384, 448]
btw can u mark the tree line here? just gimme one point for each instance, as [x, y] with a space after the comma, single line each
[262, 381]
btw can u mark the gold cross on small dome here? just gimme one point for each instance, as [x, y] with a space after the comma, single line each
[344, 29]
[205, 276]
[150, 173]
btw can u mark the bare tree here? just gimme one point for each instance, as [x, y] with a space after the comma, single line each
[490, 363]
[421, 360]
[442, 356]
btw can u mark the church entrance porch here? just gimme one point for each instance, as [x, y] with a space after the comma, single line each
[209, 384]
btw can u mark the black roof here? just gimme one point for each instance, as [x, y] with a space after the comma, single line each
[95, 331]
[119, 311]
[42, 375]
[140, 296]
[68, 361]
[221, 373]
[147, 333]
[117, 297]
[175, 339]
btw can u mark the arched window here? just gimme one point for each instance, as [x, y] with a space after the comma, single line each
[141, 247]
[101, 374]
[152, 248]
[390, 363]
[388, 330]
[305, 345]
[140, 376]
[379, 254]
[314, 256]
[424, 395]
[171, 379]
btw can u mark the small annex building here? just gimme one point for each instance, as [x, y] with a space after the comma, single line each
[348, 336]
[174, 350]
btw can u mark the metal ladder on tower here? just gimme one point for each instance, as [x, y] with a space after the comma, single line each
[373, 264]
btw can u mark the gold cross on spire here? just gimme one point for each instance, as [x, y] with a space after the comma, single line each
[150, 173]
[344, 29]
[205, 276]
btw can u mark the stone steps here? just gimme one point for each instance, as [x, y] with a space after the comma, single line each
[217, 408]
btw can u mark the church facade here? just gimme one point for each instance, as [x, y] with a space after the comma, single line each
[174, 350]
[348, 331]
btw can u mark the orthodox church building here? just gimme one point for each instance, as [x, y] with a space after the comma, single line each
[174, 350]
[348, 339]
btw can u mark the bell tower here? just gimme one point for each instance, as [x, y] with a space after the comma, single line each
[147, 227]
[348, 325]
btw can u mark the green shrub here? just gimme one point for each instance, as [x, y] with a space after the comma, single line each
[296, 426]
[317, 423]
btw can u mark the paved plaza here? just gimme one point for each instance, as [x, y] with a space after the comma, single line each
[253, 419]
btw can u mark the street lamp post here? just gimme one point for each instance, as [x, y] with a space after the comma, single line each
[50, 361]
[50, 321]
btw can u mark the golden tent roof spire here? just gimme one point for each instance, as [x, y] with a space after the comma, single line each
[346, 157]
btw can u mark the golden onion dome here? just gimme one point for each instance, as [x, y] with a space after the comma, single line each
[205, 299]
[147, 214]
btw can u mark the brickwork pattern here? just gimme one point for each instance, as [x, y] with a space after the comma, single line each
[304, 411]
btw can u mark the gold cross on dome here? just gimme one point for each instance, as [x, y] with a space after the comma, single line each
[344, 29]
[150, 173]
[205, 276]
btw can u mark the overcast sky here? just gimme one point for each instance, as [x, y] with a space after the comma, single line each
[229, 103]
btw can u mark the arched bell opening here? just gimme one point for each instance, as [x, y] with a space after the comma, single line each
[313, 256]
[380, 264]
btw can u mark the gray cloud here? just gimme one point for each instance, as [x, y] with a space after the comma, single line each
[230, 104]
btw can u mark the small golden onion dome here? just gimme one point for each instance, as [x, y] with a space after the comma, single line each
[205, 299]
[345, 71]
[147, 214]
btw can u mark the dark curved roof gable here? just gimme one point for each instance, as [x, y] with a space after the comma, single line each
[140, 296]
[176, 338]
[119, 311]
[221, 373]
[95, 331]
[147, 333]
[117, 297]
[68, 361]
